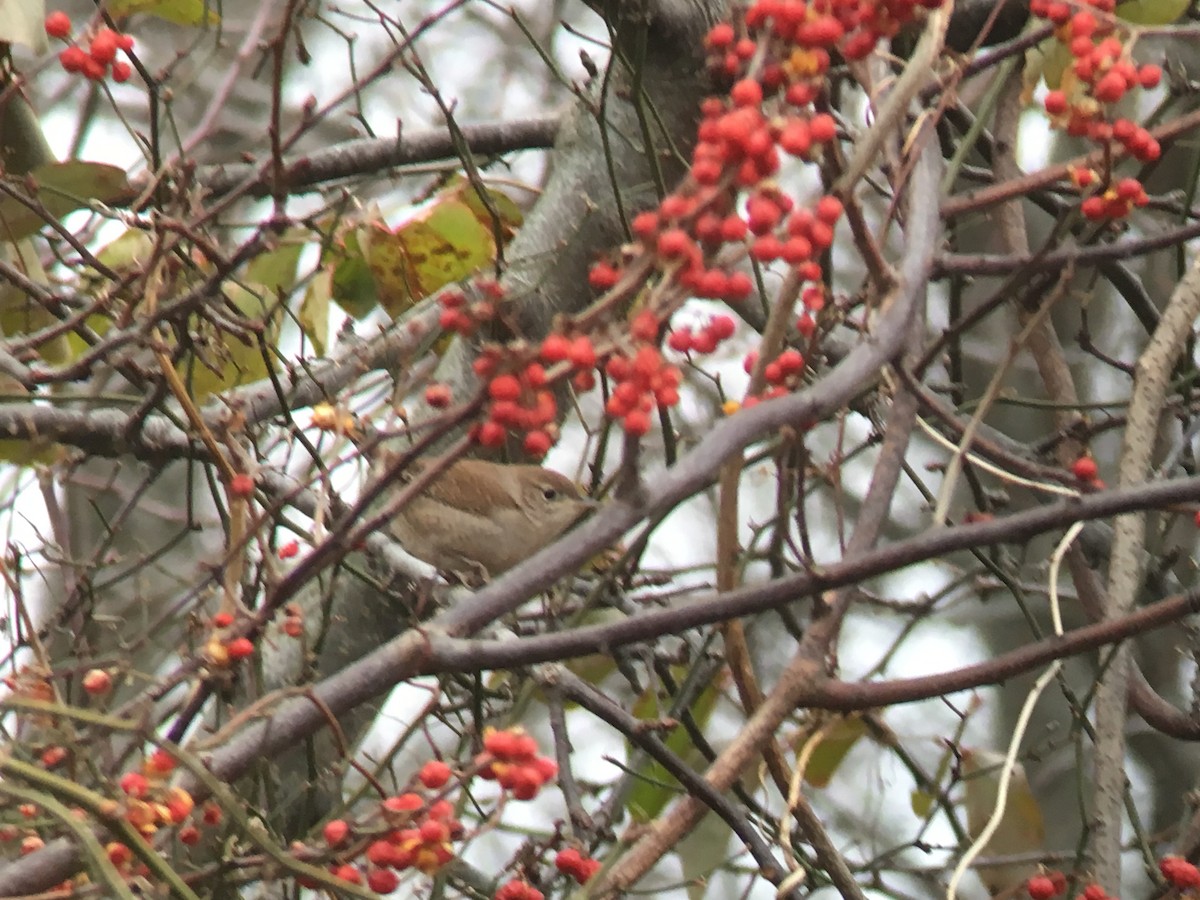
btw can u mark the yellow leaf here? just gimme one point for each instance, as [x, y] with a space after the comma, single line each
[1022, 828]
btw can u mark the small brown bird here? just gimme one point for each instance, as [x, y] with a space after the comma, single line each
[479, 518]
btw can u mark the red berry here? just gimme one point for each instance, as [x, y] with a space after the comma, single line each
[645, 225]
[790, 362]
[121, 71]
[796, 138]
[644, 327]
[1110, 88]
[434, 774]
[1040, 888]
[720, 37]
[1085, 468]
[829, 210]
[603, 276]
[242, 485]
[680, 340]
[675, 206]
[97, 682]
[739, 288]
[822, 128]
[1083, 24]
[348, 873]
[403, 804]
[222, 620]
[438, 396]
[1149, 75]
[722, 327]
[92, 70]
[382, 881]
[58, 24]
[73, 58]
[702, 342]
[134, 784]
[796, 250]
[518, 890]
[240, 648]
[335, 832]
[747, 92]
[582, 353]
[161, 761]
[1180, 872]
[733, 228]
[504, 387]
[537, 443]
[103, 48]
[1093, 208]
[555, 348]
[636, 423]
[766, 248]
[673, 243]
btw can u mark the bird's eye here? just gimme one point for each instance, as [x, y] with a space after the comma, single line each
[550, 493]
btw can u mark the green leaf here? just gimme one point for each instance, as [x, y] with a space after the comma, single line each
[314, 311]
[275, 270]
[21, 314]
[21, 22]
[1152, 12]
[655, 787]
[181, 12]
[60, 188]
[702, 852]
[351, 283]
[421, 256]
[832, 750]
[229, 360]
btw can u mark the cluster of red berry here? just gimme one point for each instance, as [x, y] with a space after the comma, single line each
[519, 889]
[149, 804]
[571, 862]
[418, 837]
[1178, 872]
[779, 54]
[510, 758]
[642, 381]
[465, 318]
[703, 340]
[101, 53]
[1102, 73]
[518, 403]
[173, 806]
[220, 650]
[776, 60]
[415, 831]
